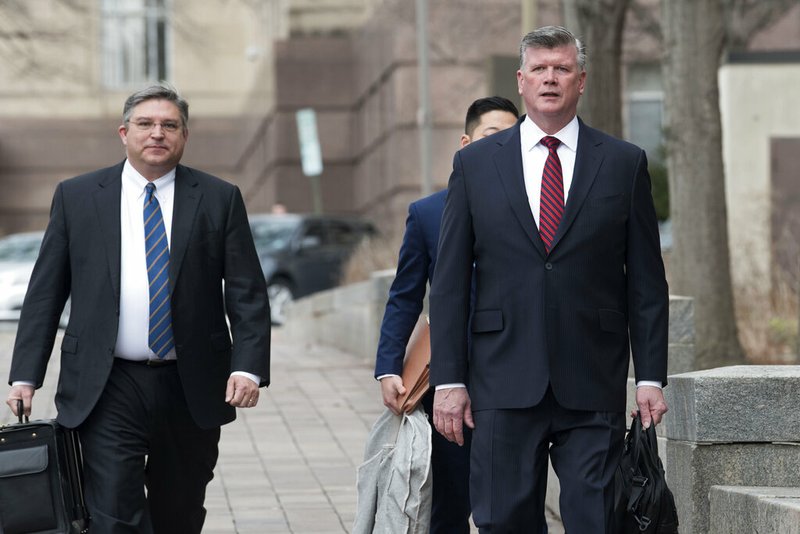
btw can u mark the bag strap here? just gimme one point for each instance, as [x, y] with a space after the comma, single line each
[637, 491]
[20, 407]
[637, 436]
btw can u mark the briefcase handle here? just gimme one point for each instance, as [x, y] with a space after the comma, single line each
[19, 412]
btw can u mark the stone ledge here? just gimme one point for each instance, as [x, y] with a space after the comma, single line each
[693, 468]
[743, 403]
[744, 510]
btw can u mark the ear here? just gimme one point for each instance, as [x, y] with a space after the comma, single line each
[465, 140]
[519, 82]
[123, 134]
[582, 82]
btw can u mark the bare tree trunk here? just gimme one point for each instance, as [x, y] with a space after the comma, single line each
[694, 38]
[599, 24]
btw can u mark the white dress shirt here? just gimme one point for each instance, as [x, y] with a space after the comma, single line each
[134, 293]
[534, 156]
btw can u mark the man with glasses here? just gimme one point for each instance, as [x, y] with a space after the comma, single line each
[149, 371]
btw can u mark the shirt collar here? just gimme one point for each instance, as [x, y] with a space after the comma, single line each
[531, 134]
[135, 182]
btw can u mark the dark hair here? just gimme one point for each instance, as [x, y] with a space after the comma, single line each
[552, 37]
[162, 91]
[485, 105]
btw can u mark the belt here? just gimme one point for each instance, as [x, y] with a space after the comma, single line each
[150, 363]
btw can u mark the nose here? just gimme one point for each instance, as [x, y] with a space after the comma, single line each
[550, 75]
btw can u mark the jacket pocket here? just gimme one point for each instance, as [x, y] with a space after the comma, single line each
[613, 321]
[69, 344]
[487, 321]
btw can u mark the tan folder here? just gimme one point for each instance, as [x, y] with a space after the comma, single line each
[416, 366]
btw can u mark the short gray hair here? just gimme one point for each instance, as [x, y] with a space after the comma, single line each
[161, 91]
[552, 37]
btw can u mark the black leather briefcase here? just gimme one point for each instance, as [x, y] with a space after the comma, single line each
[41, 479]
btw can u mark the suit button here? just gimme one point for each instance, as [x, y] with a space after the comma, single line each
[548, 266]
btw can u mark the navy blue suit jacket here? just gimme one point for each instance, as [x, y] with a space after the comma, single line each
[414, 269]
[567, 319]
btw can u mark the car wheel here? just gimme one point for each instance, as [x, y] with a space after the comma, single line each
[280, 298]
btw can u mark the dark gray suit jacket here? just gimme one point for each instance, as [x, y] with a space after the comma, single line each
[567, 318]
[80, 258]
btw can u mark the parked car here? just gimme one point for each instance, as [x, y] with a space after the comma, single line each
[18, 253]
[303, 254]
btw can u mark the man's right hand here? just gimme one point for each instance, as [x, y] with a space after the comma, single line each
[451, 411]
[25, 393]
[391, 389]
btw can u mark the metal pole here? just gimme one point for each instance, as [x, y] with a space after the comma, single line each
[424, 111]
[528, 12]
[528, 15]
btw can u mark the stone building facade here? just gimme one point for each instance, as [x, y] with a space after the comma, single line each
[246, 68]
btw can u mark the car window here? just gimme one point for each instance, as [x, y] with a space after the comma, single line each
[343, 234]
[20, 247]
[314, 235]
[272, 234]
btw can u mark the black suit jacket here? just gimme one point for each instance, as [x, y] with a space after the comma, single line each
[566, 318]
[80, 258]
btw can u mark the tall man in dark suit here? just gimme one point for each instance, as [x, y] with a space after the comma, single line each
[149, 372]
[450, 464]
[558, 221]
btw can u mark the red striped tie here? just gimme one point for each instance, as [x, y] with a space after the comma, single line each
[551, 205]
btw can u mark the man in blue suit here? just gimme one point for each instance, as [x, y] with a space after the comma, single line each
[415, 268]
[553, 223]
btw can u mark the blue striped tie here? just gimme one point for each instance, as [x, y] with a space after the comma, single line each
[159, 337]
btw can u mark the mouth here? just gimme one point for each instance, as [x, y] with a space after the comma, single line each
[549, 94]
[156, 147]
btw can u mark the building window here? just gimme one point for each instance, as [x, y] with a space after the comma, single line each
[135, 42]
[644, 105]
[645, 118]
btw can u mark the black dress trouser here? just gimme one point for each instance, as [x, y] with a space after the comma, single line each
[510, 449]
[141, 435]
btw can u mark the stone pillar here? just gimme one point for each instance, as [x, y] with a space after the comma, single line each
[732, 426]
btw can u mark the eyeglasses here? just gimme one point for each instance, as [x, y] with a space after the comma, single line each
[166, 126]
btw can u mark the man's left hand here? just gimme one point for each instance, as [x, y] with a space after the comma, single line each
[241, 392]
[651, 403]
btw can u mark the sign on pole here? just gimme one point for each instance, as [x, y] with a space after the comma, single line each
[310, 153]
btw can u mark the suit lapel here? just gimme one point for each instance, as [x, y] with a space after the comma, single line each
[508, 160]
[187, 199]
[587, 163]
[107, 198]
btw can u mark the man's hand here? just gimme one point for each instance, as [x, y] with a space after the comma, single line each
[21, 392]
[451, 410]
[651, 403]
[241, 392]
[391, 389]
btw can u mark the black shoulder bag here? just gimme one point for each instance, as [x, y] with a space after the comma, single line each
[644, 503]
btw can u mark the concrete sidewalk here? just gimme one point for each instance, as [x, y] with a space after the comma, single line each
[288, 465]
